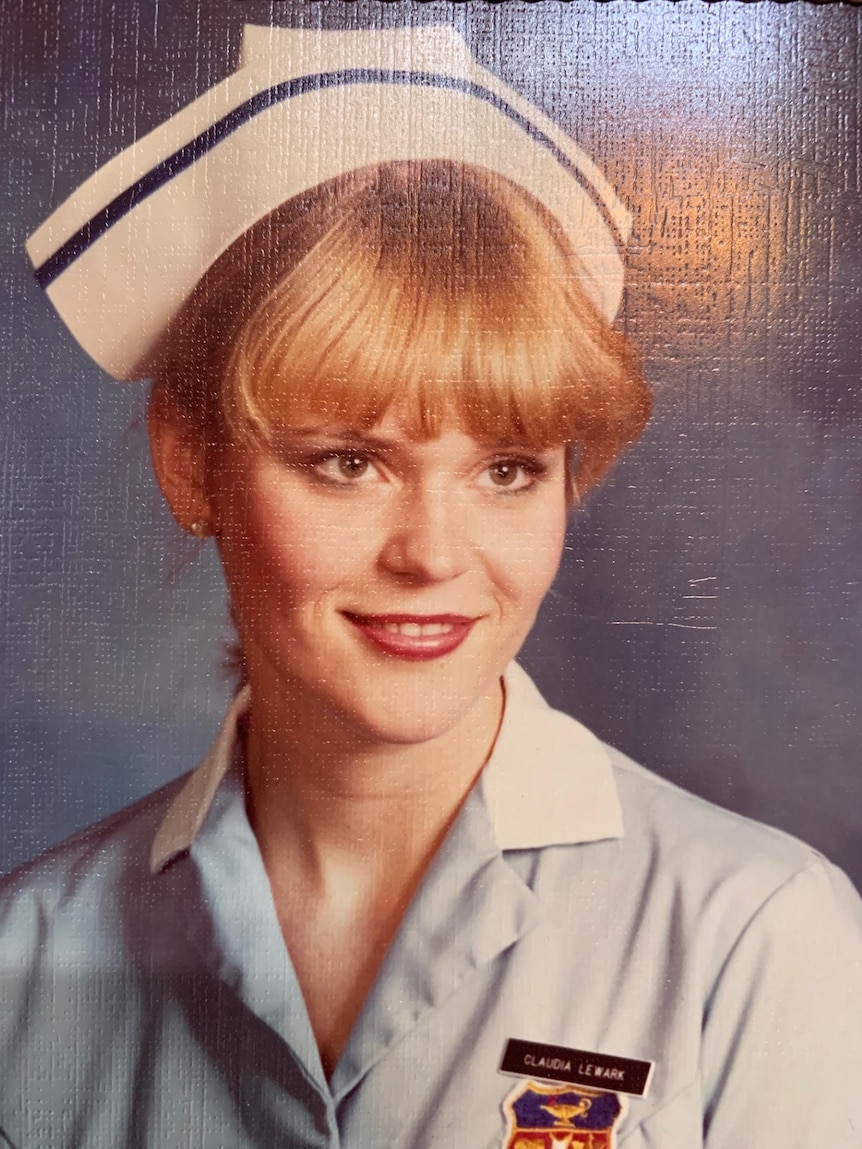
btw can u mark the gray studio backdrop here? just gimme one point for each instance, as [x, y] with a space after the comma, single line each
[707, 616]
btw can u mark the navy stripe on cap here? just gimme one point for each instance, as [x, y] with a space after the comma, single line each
[189, 153]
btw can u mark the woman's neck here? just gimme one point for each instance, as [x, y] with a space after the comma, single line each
[326, 803]
[347, 828]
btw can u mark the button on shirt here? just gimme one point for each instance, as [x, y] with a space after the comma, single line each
[147, 997]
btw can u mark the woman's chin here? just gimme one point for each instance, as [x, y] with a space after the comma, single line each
[406, 720]
[408, 709]
[382, 700]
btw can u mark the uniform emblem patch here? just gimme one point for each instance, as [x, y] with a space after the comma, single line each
[561, 1117]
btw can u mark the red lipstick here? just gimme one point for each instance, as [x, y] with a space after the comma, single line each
[415, 637]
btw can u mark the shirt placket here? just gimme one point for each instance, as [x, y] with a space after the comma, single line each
[470, 908]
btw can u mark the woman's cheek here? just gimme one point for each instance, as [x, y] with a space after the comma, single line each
[308, 551]
[526, 552]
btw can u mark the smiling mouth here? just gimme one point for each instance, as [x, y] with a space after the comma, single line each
[413, 637]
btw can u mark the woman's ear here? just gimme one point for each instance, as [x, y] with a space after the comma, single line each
[178, 456]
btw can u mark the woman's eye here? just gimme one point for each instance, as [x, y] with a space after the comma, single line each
[344, 467]
[509, 475]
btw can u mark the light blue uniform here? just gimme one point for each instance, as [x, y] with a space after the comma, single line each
[147, 999]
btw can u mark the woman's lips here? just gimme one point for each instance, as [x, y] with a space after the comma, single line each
[413, 636]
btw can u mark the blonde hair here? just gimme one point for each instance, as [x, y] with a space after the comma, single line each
[438, 285]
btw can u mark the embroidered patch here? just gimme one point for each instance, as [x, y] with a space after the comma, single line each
[545, 1117]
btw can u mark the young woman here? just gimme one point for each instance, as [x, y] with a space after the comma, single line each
[402, 901]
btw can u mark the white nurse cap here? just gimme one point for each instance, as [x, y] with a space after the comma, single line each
[120, 257]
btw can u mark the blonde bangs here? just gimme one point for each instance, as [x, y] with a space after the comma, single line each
[351, 366]
[507, 348]
[437, 289]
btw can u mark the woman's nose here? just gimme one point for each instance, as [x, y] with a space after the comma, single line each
[426, 538]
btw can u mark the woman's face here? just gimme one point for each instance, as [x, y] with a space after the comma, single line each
[383, 582]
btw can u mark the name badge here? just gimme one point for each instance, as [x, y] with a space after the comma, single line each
[576, 1067]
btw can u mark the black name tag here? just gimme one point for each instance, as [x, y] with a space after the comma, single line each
[576, 1067]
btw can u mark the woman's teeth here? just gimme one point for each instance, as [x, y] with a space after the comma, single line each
[418, 629]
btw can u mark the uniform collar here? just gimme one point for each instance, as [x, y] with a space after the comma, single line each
[548, 782]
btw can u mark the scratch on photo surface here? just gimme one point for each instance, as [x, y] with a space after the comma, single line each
[658, 622]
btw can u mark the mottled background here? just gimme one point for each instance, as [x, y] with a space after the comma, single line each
[708, 616]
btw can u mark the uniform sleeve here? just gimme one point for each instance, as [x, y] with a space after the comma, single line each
[782, 1061]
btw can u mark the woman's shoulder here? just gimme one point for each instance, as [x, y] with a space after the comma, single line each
[87, 936]
[659, 808]
[628, 826]
[74, 892]
[758, 934]
[711, 855]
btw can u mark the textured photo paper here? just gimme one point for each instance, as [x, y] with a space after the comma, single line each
[706, 617]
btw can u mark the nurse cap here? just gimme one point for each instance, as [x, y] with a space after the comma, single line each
[120, 257]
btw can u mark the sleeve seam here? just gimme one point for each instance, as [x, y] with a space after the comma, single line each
[816, 863]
